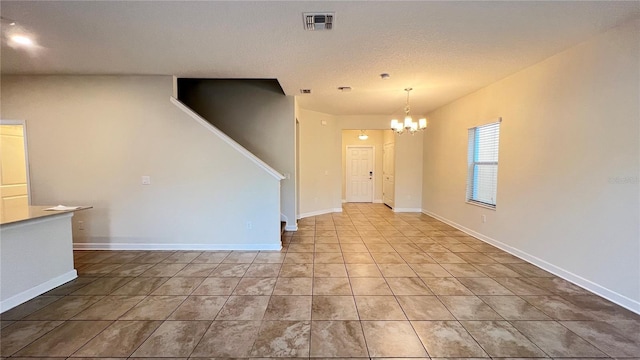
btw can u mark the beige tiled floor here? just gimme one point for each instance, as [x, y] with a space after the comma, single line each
[366, 283]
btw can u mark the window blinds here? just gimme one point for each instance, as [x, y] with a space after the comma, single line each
[482, 179]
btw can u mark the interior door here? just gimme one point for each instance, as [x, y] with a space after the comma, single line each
[14, 189]
[360, 174]
[388, 174]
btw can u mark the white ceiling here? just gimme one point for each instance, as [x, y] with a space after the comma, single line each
[443, 49]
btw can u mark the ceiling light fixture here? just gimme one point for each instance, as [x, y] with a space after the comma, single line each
[384, 76]
[21, 40]
[409, 125]
[363, 136]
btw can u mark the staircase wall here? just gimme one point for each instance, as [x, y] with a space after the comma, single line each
[91, 138]
[257, 115]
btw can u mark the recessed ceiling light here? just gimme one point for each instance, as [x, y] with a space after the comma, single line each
[345, 88]
[305, 91]
[384, 76]
[22, 40]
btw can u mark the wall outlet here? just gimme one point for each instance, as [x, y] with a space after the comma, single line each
[484, 218]
[146, 180]
[80, 225]
[249, 225]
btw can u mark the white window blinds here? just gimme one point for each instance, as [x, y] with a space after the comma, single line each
[482, 178]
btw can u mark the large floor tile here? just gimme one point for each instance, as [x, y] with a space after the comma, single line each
[140, 286]
[469, 308]
[424, 308]
[65, 308]
[514, 308]
[559, 309]
[228, 339]
[216, 286]
[556, 340]
[29, 307]
[20, 334]
[392, 339]
[293, 286]
[334, 308]
[173, 339]
[379, 308]
[109, 308]
[288, 308]
[331, 286]
[446, 286]
[65, 339]
[337, 339]
[408, 286]
[606, 337]
[244, 308]
[154, 308]
[370, 286]
[120, 339]
[282, 339]
[199, 308]
[447, 339]
[500, 339]
[255, 286]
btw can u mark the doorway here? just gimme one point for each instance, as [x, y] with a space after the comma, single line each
[360, 167]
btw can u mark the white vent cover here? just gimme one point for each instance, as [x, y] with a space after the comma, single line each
[318, 21]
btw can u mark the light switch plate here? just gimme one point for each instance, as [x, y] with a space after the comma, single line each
[146, 180]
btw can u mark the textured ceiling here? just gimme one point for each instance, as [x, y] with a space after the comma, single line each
[444, 50]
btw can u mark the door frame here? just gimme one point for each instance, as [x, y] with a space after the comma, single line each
[26, 151]
[384, 150]
[348, 170]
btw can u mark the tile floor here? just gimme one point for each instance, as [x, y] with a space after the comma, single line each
[366, 283]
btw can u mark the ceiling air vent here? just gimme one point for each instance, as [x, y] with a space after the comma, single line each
[305, 91]
[318, 21]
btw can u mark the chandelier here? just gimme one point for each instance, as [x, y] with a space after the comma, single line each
[409, 125]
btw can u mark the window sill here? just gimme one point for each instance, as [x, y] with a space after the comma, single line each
[481, 205]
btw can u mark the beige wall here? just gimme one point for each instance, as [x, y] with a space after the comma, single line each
[568, 193]
[91, 138]
[350, 137]
[408, 173]
[321, 161]
[320, 169]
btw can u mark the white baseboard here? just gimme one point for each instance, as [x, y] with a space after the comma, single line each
[403, 210]
[344, 201]
[291, 228]
[377, 201]
[319, 212]
[29, 294]
[192, 247]
[578, 280]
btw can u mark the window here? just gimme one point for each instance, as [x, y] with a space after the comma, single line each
[482, 177]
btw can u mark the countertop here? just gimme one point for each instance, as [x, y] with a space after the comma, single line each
[32, 212]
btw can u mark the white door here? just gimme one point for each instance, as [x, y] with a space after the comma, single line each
[14, 187]
[360, 173]
[388, 174]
